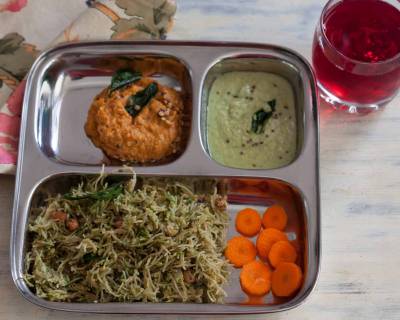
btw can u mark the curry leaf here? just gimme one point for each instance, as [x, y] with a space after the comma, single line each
[123, 77]
[105, 194]
[261, 116]
[137, 101]
[88, 257]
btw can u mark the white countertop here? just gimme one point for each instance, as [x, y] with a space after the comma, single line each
[360, 180]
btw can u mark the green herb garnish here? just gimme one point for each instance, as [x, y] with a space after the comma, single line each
[122, 78]
[261, 116]
[88, 257]
[272, 104]
[137, 101]
[105, 194]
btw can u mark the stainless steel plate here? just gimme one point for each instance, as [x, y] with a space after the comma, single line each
[53, 145]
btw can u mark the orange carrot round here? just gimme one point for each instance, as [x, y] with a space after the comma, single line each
[286, 279]
[275, 217]
[281, 251]
[248, 222]
[266, 239]
[255, 278]
[240, 251]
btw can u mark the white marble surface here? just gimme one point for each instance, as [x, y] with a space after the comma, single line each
[360, 180]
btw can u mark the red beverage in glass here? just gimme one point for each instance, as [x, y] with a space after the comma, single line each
[356, 53]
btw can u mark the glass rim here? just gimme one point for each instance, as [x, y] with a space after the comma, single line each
[321, 23]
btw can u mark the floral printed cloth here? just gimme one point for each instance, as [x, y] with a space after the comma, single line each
[30, 26]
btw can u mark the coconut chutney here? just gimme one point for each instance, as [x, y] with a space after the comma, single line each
[251, 120]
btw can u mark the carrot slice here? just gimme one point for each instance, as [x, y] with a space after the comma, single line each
[248, 222]
[286, 279]
[281, 251]
[255, 278]
[240, 251]
[266, 239]
[275, 217]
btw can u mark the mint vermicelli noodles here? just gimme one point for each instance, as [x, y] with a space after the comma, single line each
[151, 240]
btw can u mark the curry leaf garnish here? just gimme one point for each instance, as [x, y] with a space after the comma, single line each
[261, 116]
[105, 194]
[272, 104]
[88, 257]
[123, 77]
[137, 101]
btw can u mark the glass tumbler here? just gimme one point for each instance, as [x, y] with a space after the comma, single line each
[356, 54]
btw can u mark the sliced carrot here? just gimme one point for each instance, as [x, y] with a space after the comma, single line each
[275, 217]
[286, 279]
[248, 222]
[266, 239]
[281, 251]
[255, 278]
[240, 251]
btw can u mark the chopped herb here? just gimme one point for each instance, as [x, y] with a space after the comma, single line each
[143, 233]
[122, 78]
[137, 101]
[272, 104]
[88, 257]
[261, 116]
[105, 194]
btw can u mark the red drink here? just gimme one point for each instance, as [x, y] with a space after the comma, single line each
[356, 52]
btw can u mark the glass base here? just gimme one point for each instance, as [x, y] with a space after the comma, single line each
[350, 107]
